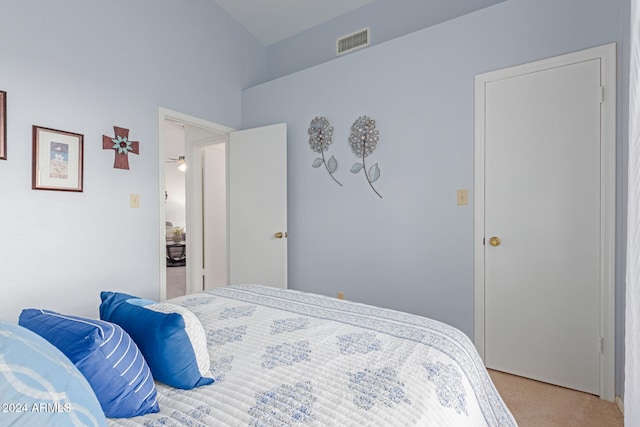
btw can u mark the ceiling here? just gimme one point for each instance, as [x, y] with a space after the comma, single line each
[271, 21]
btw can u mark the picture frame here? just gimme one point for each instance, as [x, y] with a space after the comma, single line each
[58, 160]
[3, 125]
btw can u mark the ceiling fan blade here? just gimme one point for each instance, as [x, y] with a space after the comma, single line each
[180, 160]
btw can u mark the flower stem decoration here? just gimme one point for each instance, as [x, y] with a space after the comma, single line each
[364, 138]
[320, 137]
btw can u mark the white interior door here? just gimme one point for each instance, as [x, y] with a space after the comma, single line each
[545, 204]
[257, 203]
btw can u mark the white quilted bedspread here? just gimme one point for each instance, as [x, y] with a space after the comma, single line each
[286, 358]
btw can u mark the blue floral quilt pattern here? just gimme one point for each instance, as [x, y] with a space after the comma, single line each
[287, 358]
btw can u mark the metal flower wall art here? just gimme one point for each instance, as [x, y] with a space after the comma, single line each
[320, 137]
[363, 140]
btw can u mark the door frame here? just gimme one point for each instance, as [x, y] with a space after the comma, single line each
[193, 193]
[607, 56]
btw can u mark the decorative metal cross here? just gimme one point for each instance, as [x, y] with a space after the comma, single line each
[122, 147]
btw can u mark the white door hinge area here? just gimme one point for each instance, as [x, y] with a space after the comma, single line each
[601, 94]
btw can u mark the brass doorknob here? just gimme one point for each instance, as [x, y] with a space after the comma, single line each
[495, 241]
[278, 235]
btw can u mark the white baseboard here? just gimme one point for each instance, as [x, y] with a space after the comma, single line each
[620, 404]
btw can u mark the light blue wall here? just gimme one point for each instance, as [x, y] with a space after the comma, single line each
[318, 44]
[413, 249]
[84, 66]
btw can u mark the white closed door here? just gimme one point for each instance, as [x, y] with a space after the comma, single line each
[257, 173]
[542, 225]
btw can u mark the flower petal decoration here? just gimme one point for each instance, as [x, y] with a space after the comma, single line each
[364, 140]
[121, 145]
[364, 136]
[320, 137]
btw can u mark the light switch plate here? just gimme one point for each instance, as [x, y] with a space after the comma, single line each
[134, 201]
[463, 197]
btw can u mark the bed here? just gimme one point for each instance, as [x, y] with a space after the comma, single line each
[243, 355]
[285, 358]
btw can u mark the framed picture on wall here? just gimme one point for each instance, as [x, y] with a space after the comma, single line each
[57, 160]
[3, 125]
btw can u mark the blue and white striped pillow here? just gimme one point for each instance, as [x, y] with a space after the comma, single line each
[107, 357]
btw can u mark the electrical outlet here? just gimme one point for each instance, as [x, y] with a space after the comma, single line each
[134, 201]
[340, 295]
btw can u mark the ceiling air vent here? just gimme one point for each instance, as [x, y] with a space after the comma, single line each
[352, 41]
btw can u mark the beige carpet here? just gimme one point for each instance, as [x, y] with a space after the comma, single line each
[533, 403]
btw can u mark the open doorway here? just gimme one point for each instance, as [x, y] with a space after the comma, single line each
[193, 204]
[175, 208]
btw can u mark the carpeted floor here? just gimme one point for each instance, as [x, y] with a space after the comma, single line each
[538, 404]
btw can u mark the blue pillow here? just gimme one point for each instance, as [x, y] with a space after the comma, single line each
[106, 356]
[170, 337]
[39, 386]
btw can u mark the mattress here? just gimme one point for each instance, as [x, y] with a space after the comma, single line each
[287, 358]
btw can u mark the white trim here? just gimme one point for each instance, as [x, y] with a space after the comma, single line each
[607, 56]
[620, 404]
[194, 217]
[478, 218]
